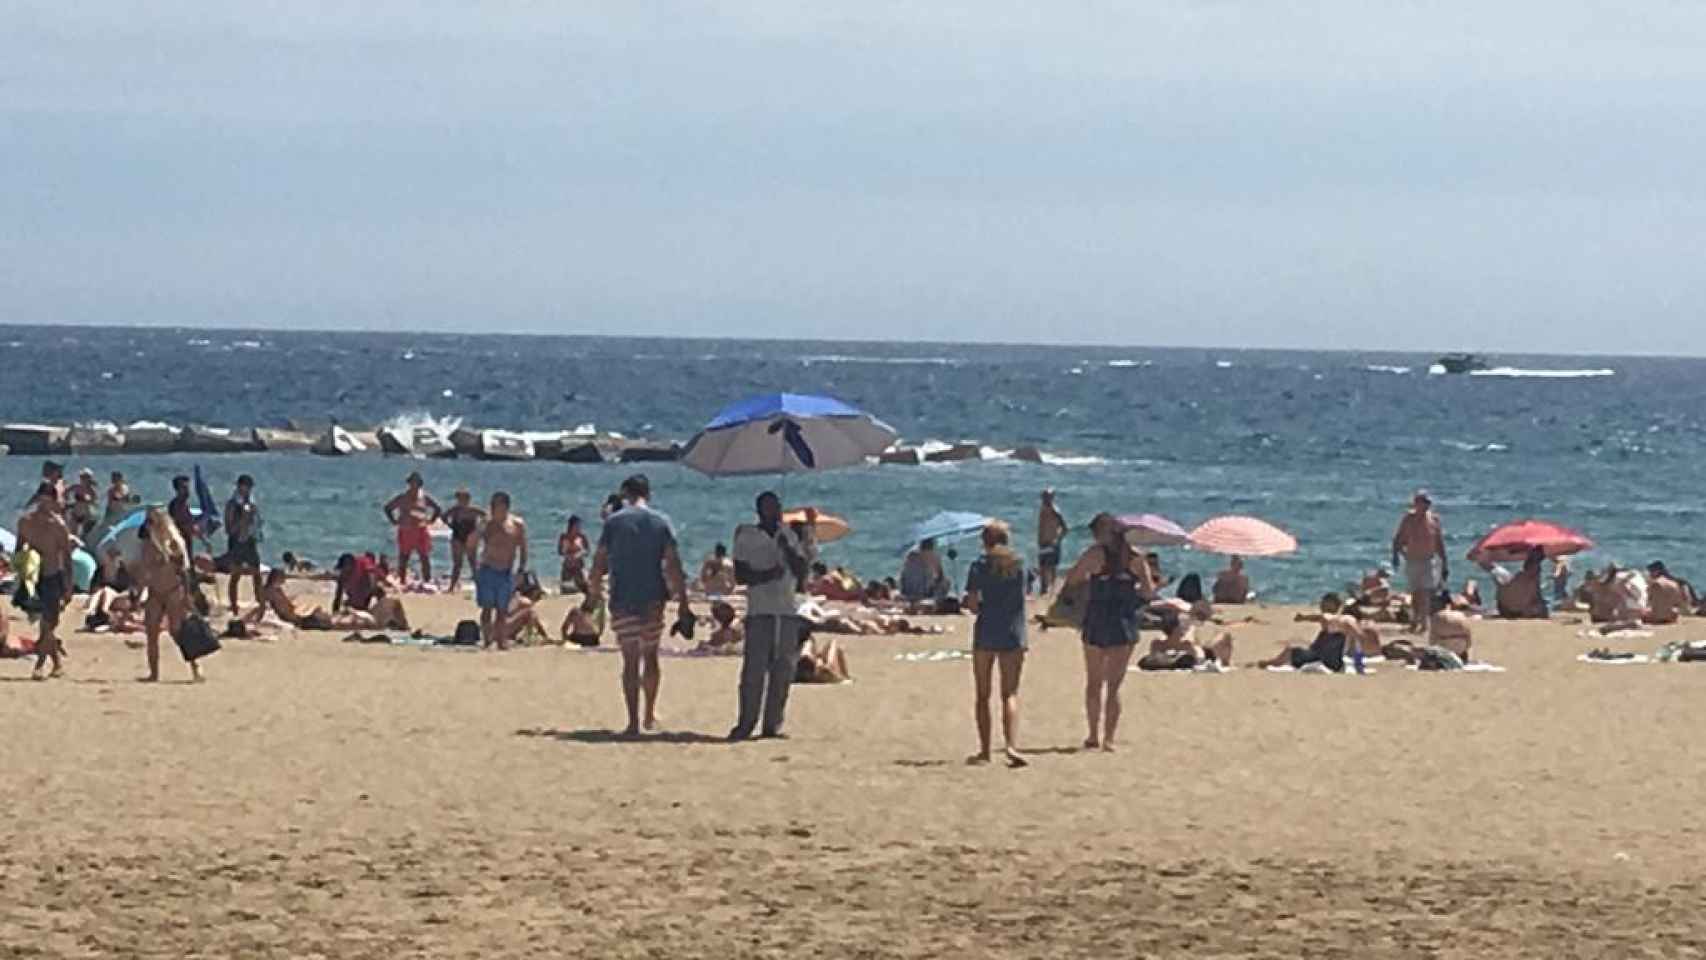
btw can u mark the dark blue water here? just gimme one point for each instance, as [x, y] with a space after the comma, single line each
[1325, 444]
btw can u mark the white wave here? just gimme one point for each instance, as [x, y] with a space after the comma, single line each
[410, 419]
[1383, 368]
[1076, 371]
[1475, 447]
[1130, 364]
[198, 342]
[1543, 374]
[1065, 461]
[899, 361]
[408, 354]
[247, 344]
[1223, 364]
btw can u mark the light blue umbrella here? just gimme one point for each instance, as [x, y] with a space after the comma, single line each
[786, 433]
[946, 527]
[8, 541]
[125, 537]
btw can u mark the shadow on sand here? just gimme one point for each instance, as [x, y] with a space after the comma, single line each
[617, 736]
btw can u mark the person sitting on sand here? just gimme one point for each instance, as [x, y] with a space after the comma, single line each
[1519, 596]
[1450, 631]
[296, 566]
[1375, 590]
[921, 578]
[1667, 600]
[384, 613]
[521, 623]
[1177, 648]
[1335, 617]
[822, 661]
[1232, 585]
[357, 580]
[582, 627]
[729, 637]
[1338, 631]
[717, 573]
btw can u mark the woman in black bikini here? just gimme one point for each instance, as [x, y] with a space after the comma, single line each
[1121, 585]
[463, 518]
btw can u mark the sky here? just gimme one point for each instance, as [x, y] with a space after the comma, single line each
[1520, 176]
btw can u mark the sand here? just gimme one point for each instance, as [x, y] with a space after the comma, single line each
[318, 798]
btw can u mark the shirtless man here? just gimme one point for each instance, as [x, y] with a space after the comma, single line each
[717, 573]
[1420, 537]
[1051, 536]
[1667, 600]
[42, 528]
[503, 555]
[413, 513]
[1232, 585]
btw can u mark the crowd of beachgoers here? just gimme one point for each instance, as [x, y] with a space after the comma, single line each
[770, 600]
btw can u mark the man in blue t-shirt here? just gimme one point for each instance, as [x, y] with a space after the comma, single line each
[637, 549]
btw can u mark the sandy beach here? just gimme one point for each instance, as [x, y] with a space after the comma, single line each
[321, 798]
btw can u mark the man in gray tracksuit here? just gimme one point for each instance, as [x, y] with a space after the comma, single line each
[772, 563]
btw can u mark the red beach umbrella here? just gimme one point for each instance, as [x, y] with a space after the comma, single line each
[1514, 540]
[1243, 537]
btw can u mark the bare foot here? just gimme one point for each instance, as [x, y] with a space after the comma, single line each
[1109, 747]
[1091, 743]
[1015, 759]
[651, 724]
[631, 731]
[37, 674]
[977, 760]
[151, 678]
[57, 672]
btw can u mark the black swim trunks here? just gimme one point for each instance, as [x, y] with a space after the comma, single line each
[50, 593]
[1048, 556]
[243, 554]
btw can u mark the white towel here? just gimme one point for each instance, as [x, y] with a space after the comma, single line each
[1637, 658]
[933, 656]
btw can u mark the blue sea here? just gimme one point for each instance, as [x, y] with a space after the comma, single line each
[1327, 444]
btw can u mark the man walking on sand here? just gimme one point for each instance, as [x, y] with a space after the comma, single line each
[1421, 537]
[637, 549]
[243, 541]
[413, 512]
[42, 528]
[503, 557]
[1051, 535]
[771, 562]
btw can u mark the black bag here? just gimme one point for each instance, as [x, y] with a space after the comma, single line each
[467, 634]
[195, 639]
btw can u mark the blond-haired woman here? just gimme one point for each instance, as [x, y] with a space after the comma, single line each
[995, 591]
[166, 574]
[1121, 584]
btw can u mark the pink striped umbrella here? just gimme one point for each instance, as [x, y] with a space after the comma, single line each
[1243, 537]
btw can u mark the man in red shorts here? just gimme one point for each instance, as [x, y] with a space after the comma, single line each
[413, 512]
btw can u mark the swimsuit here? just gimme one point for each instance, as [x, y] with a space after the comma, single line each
[493, 588]
[1111, 617]
[462, 527]
[414, 538]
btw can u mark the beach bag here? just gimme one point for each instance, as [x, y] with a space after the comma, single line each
[195, 639]
[1068, 607]
[467, 634]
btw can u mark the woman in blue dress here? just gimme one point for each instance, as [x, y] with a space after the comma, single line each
[995, 591]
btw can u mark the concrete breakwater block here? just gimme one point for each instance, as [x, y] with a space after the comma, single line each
[149, 437]
[504, 445]
[958, 453]
[200, 439]
[96, 440]
[902, 456]
[337, 442]
[34, 439]
[281, 441]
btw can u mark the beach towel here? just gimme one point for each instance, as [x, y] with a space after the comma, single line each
[1321, 668]
[1599, 633]
[933, 656]
[1633, 658]
[1476, 667]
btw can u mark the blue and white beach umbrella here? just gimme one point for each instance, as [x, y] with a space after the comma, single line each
[949, 526]
[786, 433]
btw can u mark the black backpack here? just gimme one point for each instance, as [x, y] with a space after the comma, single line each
[467, 634]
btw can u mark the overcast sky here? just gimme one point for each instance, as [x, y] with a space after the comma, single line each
[1497, 176]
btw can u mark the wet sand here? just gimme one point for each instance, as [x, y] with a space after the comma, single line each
[318, 798]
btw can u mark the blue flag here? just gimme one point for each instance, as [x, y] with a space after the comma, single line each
[209, 507]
